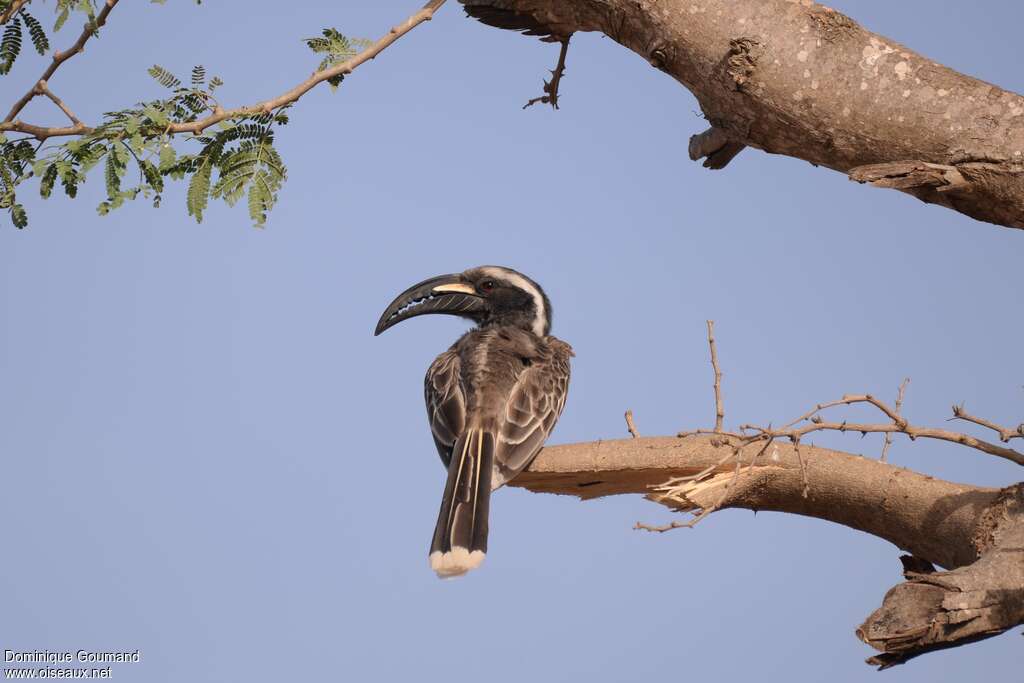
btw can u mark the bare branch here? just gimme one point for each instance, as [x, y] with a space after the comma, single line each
[847, 489]
[898, 425]
[640, 526]
[42, 133]
[90, 29]
[974, 531]
[630, 425]
[1005, 433]
[550, 95]
[899, 405]
[719, 406]
[45, 89]
[980, 539]
[221, 114]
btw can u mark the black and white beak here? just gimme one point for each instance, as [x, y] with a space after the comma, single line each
[449, 294]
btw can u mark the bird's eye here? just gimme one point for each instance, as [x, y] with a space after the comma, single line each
[487, 286]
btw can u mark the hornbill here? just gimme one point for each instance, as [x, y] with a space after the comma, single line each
[492, 398]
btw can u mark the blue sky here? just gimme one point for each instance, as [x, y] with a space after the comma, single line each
[207, 456]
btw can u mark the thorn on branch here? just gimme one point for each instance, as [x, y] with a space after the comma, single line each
[550, 95]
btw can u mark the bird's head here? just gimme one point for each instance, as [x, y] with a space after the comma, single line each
[488, 295]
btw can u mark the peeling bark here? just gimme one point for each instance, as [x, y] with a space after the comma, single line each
[793, 77]
[976, 533]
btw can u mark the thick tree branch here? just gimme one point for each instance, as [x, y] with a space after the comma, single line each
[976, 532]
[932, 519]
[803, 80]
[221, 114]
[932, 611]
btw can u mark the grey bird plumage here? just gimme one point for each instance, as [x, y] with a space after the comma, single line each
[492, 398]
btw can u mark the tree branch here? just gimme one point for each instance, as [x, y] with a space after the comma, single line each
[898, 425]
[11, 10]
[550, 95]
[221, 114]
[1005, 433]
[857, 492]
[719, 406]
[977, 532]
[803, 80]
[45, 89]
[899, 405]
[90, 29]
[630, 425]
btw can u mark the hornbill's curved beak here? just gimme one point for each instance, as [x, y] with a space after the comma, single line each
[450, 294]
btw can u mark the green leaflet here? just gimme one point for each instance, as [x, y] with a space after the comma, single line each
[36, 33]
[198, 196]
[255, 166]
[137, 155]
[49, 177]
[336, 49]
[17, 162]
[18, 216]
[163, 76]
[10, 45]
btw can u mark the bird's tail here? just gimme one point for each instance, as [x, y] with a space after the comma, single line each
[460, 537]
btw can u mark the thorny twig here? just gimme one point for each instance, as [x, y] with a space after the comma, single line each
[734, 454]
[1005, 433]
[550, 95]
[719, 406]
[748, 434]
[899, 405]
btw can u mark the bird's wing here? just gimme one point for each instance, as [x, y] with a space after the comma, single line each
[533, 407]
[446, 402]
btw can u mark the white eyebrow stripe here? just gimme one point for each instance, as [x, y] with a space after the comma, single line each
[517, 280]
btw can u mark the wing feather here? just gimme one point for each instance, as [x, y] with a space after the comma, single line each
[533, 407]
[446, 402]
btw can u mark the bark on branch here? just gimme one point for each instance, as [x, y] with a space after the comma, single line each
[803, 80]
[977, 533]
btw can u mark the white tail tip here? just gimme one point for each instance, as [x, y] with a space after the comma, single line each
[455, 562]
